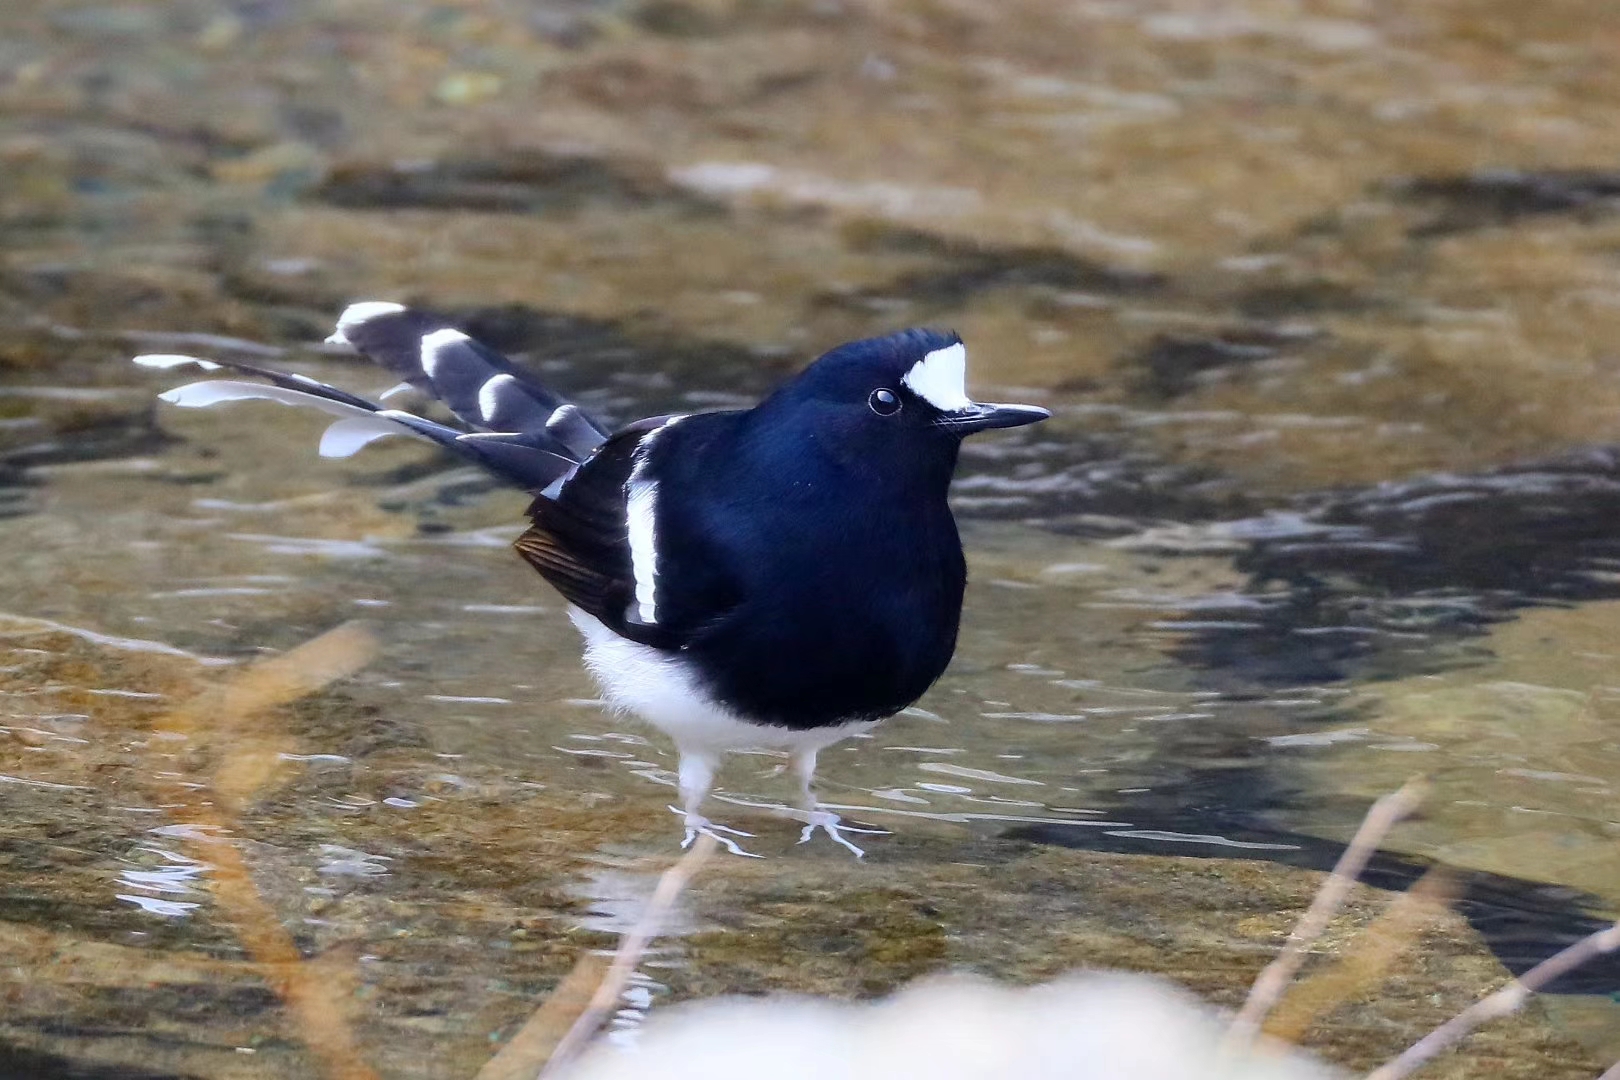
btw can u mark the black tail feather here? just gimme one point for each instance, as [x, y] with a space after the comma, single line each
[528, 435]
[483, 388]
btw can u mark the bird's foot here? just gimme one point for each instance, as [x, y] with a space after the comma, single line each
[697, 824]
[831, 824]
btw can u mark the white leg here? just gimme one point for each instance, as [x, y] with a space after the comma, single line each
[803, 766]
[696, 778]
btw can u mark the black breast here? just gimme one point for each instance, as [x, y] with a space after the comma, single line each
[845, 609]
[803, 592]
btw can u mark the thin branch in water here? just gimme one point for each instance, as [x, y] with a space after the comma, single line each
[670, 886]
[1268, 988]
[1375, 952]
[314, 1000]
[276, 680]
[537, 1040]
[1504, 1002]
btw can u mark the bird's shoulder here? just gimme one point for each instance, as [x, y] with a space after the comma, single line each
[597, 537]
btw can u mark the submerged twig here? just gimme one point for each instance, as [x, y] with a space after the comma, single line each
[276, 680]
[629, 953]
[314, 1000]
[1376, 949]
[1502, 1003]
[1268, 988]
[537, 1040]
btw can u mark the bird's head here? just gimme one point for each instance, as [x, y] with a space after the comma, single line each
[892, 399]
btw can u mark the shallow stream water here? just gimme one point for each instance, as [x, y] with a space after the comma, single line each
[1323, 298]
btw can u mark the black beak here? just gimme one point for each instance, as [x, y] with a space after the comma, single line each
[977, 417]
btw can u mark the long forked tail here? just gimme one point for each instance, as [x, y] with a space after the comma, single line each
[520, 430]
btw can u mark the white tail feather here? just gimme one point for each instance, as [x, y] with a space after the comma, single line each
[347, 437]
[355, 427]
[174, 360]
[355, 314]
[200, 395]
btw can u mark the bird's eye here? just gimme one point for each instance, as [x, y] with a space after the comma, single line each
[884, 402]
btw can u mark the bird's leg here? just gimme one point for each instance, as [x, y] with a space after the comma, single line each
[696, 778]
[803, 765]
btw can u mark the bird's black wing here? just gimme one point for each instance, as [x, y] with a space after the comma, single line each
[579, 539]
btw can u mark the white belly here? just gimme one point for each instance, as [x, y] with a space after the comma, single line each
[659, 688]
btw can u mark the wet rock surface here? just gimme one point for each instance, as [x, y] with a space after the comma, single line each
[442, 949]
[1322, 297]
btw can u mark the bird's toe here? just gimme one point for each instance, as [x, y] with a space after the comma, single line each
[697, 824]
[834, 827]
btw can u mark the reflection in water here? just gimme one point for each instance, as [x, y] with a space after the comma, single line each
[1525, 922]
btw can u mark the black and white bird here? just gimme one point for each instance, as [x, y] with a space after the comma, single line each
[780, 577]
